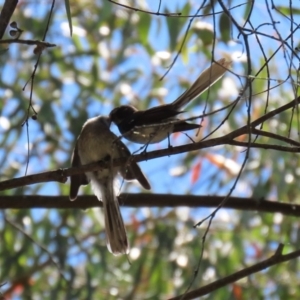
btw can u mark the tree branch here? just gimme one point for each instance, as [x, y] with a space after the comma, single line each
[275, 259]
[151, 200]
[5, 15]
[62, 174]
[28, 42]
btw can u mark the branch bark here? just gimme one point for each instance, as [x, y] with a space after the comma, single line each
[28, 42]
[273, 260]
[228, 139]
[150, 200]
[7, 11]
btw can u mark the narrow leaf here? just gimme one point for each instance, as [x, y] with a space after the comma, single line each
[68, 10]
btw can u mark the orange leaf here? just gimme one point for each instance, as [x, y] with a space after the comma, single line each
[224, 163]
[196, 171]
[237, 292]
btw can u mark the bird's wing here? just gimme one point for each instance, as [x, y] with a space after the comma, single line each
[78, 179]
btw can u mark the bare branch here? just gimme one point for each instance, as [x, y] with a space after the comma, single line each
[145, 11]
[151, 200]
[275, 136]
[275, 259]
[175, 15]
[6, 13]
[62, 174]
[27, 42]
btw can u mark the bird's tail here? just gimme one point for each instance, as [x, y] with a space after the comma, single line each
[116, 238]
[206, 79]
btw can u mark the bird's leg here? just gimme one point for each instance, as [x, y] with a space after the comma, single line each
[169, 141]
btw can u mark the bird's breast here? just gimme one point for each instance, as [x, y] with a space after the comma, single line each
[149, 133]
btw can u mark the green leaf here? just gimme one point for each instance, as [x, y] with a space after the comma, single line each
[67, 4]
[143, 28]
[286, 10]
[225, 28]
[205, 34]
[176, 25]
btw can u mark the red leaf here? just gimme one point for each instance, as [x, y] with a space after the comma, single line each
[196, 170]
[237, 292]
[175, 135]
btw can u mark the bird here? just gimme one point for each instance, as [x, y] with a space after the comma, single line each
[97, 143]
[156, 124]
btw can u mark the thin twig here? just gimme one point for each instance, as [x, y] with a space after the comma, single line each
[174, 15]
[31, 79]
[27, 42]
[38, 244]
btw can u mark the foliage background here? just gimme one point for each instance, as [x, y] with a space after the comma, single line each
[117, 56]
